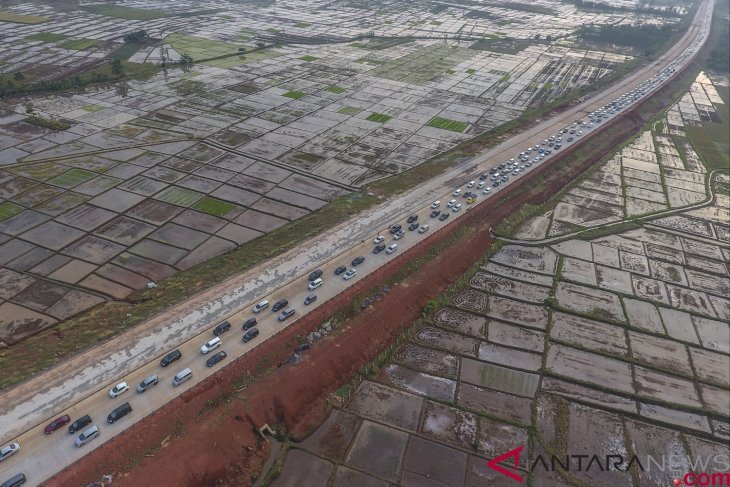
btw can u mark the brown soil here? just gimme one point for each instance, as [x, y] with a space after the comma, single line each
[210, 432]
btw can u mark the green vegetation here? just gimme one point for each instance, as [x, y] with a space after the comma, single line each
[179, 196]
[502, 22]
[502, 45]
[381, 43]
[710, 139]
[471, 71]
[93, 108]
[378, 117]
[641, 8]
[79, 44]
[120, 12]
[46, 37]
[436, 22]
[22, 19]
[213, 206]
[136, 36]
[335, 89]
[294, 94]
[719, 57]
[9, 209]
[446, 124]
[528, 7]
[349, 110]
[49, 123]
[302, 24]
[71, 178]
[647, 38]
[308, 58]
[450, 71]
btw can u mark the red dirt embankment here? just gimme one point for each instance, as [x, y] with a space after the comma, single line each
[215, 444]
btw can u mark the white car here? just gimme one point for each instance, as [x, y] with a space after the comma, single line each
[349, 274]
[399, 235]
[456, 193]
[118, 389]
[480, 185]
[378, 239]
[451, 203]
[487, 190]
[423, 229]
[456, 208]
[9, 451]
[391, 249]
[210, 345]
[435, 204]
[470, 184]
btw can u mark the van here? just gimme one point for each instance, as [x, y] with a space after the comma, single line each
[79, 423]
[119, 413]
[210, 345]
[315, 284]
[260, 306]
[88, 435]
[286, 314]
[14, 481]
[183, 376]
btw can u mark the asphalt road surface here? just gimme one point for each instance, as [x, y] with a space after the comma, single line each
[80, 385]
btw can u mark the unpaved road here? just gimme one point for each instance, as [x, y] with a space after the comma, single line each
[79, 386]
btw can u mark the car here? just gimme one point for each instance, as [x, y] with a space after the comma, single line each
[315, 275]
[357, 261]
[495, 184]
[260, 306]
[466, 195]
[483, 176]
[399, 235]
[250, 335]
[57, 423]
[487, 190]
[310, 299]
[412, 218]
[378, 248]
[248, 324]
[118, 389]
[340, 270]
[450, 203]
[210, 345]
[315, 284]
[423, 229]
[435, 213]
[378, 239]
[216, 358]
[349, 274]
[570, 139]
[279, 305]
[456, 208]
[15, 481]
[396, 228]
[87, 435]
[119, 413]
[481, 185]
[471, 200]
[170, 358]
[286, 314]
[435, 204]
[79, 423]
[392, 248]
[221, 328]
[147, 383]
[470, 184]
[444, 216]
[456, 193]
[413, 226]
[9, 450]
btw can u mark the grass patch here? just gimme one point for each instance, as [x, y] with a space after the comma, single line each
[22, 19]
[308, 58]
[179, 196]
[48, 123]
[436, 22]
[502, 45]
[119, 12]
[71, 178]
[294, 94]
[335, 89]
[126, 51]
[450, 71]
[547, 86]
[528, 7]
[710, 140]
[446, 124]
[378, 117]
[9, 209]
[301, 25]
[349, 110]
[471, 70]
[46, 37]
[93, 108]
[79, 44]
[213, 206]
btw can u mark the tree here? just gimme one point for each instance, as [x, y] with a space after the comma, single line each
[136, 36]
[117, 68]
[18, 76]
[186, 58]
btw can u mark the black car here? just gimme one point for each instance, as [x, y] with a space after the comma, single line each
[250, 334]
[413, 226]
[483, 176]
[340, 270]
[82, 422]
[279, 304]
[119, 413]
[222, 328]
[570, 139]
[435, 213]
[249, 323]
[378, 248]
[315, 275]
[395, 228]
[310, 299]
[444, 216]
[467, 194]
[216, 358]
[495, 184]
[358, 260]
[170, 358]
[412, 218]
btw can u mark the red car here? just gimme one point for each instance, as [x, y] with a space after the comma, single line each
[57, 423]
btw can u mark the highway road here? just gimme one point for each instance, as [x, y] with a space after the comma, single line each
[80, 386]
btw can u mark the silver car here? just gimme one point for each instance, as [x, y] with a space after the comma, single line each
[147, 383]
[9, 451]
[89, 434]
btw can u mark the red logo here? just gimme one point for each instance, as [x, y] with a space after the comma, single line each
[494, 464]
